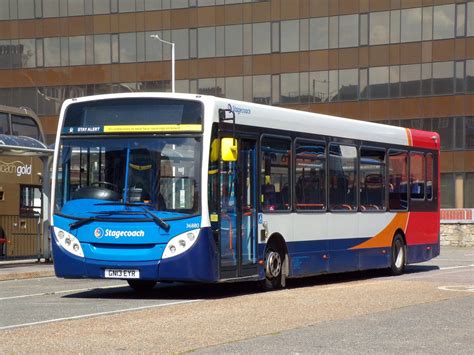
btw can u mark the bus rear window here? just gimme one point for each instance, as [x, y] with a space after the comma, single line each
[25, 126]
[139, 111]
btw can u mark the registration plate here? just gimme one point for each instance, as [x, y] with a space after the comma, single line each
[122, 274]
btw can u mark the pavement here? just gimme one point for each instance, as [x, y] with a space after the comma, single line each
[25, 269]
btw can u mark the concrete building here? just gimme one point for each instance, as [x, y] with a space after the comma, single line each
[401, 62]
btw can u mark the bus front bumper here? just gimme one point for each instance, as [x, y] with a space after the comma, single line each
[199, 263]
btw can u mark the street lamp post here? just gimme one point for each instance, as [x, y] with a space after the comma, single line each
[172, 60]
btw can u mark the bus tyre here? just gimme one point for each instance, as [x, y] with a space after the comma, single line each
[142, 285]
[398, 262]
[274, 261]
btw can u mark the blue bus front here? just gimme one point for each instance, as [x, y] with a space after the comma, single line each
[127, 192]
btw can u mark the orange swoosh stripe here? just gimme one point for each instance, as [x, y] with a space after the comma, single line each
[409, 137]
[384, 238]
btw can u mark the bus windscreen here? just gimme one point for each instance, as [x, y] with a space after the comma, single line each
[129, 115]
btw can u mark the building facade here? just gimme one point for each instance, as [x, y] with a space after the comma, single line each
[401, 62]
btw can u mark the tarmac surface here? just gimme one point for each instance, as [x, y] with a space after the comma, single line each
[427, 310]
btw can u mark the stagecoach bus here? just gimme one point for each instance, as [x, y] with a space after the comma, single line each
[159, 187]
[20, 183]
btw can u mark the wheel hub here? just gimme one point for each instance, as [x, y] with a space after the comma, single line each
[273, 264]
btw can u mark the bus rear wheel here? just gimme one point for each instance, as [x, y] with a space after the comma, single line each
[397, 265]
[142, 285]
[274, 259]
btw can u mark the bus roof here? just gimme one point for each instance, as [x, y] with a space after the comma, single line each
[279, 118]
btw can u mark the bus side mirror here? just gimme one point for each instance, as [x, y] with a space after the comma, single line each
[229, 149]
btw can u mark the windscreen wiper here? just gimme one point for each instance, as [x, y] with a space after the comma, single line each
[157, 219]
[81, 222]
[154, 217]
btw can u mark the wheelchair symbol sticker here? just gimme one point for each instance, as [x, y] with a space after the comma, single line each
[260, 218]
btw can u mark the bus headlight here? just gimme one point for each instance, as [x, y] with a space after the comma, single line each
[68, 242]
[180, 243]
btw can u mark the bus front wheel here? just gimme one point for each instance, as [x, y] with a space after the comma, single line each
[398, 262]
[141, 285]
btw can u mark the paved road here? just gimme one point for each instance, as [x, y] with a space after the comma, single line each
[429, 309]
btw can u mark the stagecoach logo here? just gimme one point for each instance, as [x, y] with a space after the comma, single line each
[99, 233]
[239, 110]
[17, 168]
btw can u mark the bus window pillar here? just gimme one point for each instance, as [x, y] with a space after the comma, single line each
[46, 192]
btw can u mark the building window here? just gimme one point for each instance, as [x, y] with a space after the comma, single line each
[348, 84]
[470, 19]
[427, 23]
[342, 177]
[181, 40]
[318, 33]
[50, 8]
[334, 32]
[52, 52]
[310, 184]
[289, 89]
[30, 201]
[233, 40]
[411, 25]
[410, 80]
[206, 42]
[319, 86]
[469, 190]
[364, 29]
[261, 89]
[395, 26]
[290, 36]
[275, 174]
[348, 31]
[379, 28]
[469, 129]
[460, 20]
[275, 36]
[372, 179]
[77, 50]
[234, 88]
[398, 180]
[394, 81]
[261, 38]
[445, 127]
[443, 78]
[102, 46]
[426, 78]
[378, 82]
[470, 75]
[447, 190]
[443, 21]
[207, 86]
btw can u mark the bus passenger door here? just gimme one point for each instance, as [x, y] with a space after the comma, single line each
[238, 222]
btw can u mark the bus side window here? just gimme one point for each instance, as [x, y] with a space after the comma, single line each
[372, 179]
[398, 180]
[4, 127]
[417, 176]
[429, 176]
[25, 126]
[275, 173]
[342, 173]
